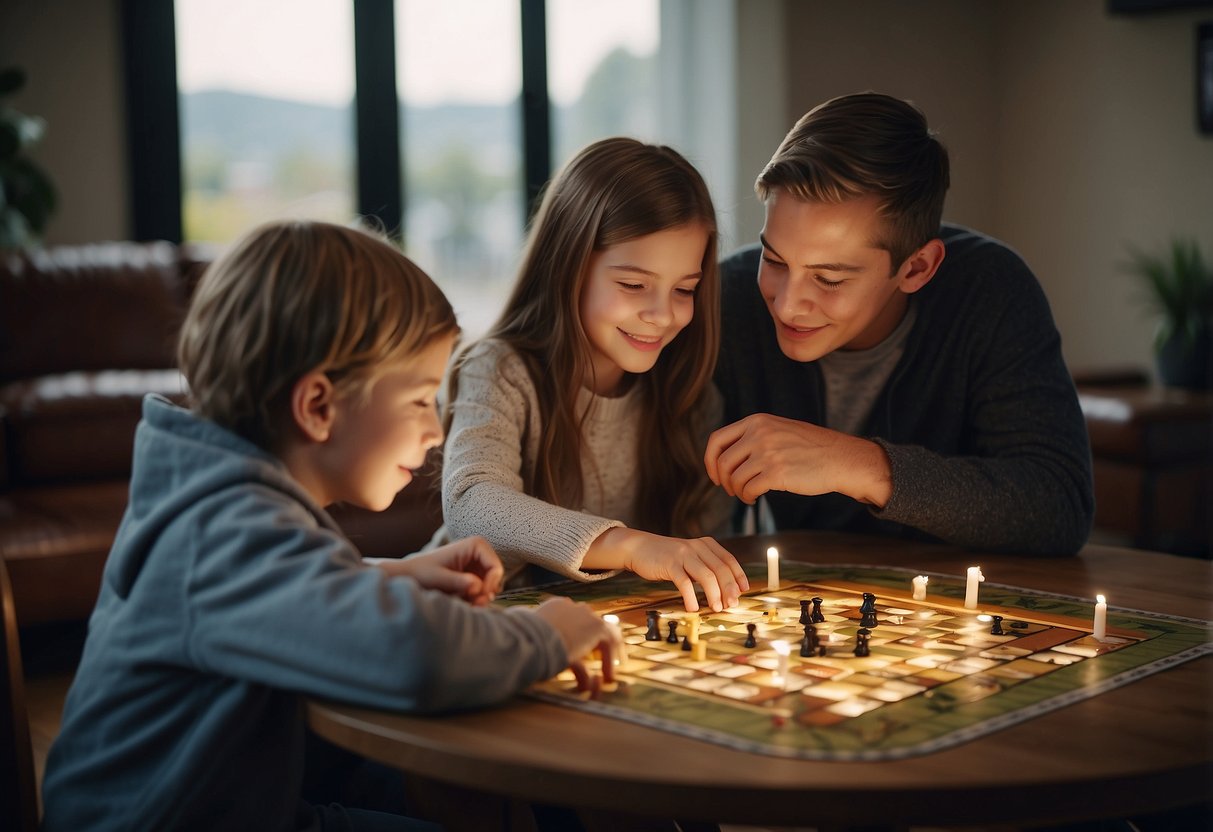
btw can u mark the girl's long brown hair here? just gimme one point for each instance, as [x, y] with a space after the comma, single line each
[613, 191]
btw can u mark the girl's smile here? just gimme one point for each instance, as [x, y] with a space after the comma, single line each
[644, 342]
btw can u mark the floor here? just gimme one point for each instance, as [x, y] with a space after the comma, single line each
[50, 654]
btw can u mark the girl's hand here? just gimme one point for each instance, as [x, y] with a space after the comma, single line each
[582, 631]
[685, 562]
[468, 569]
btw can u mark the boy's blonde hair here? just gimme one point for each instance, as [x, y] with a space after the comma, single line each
[862, 144]
[293, 297]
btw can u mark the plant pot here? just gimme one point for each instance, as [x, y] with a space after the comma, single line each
[1187, 364]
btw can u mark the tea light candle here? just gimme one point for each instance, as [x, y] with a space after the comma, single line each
[621, 648]
[772, 568]
[1101, 618]
[920, 588]
[782, 650]
[975, 577]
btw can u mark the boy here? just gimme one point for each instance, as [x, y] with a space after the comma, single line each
[313, 354]
[886, 375]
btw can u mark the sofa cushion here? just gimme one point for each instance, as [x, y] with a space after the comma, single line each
[75, 427]
[93, 307]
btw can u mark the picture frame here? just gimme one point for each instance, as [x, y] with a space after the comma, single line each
[1204, 78]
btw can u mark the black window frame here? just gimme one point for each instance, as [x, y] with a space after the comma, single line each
[154, 149]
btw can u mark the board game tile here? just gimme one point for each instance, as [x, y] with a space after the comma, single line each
[938, 674]
[853, 707]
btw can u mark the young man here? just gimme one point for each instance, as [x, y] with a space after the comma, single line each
[881, 373]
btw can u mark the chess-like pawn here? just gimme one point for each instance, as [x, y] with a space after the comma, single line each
[686, 643]
[808, 644]
[817, 617]
[996, 627]
[861, 642]
[868, 609]
[804, 613]
[750, 641]
[654, 632]
[672, 638]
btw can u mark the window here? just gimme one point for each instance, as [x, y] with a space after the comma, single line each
[602, 71]
[444, 122]
[459, 77]
[265, 92]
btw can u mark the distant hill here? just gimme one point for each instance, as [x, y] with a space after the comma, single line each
[254, 126]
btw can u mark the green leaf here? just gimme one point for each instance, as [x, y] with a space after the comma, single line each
[1177, 286]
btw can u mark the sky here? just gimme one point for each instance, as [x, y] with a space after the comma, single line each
[466, 50]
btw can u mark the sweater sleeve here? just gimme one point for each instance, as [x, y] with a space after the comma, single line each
[1022, 478]
[272, 597]
[494, 432]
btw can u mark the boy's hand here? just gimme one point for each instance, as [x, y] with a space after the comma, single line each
[582, 631]
[700, 561]
[468, 569]
[762, 453]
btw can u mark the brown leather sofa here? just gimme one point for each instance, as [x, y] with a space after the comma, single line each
[85, 333]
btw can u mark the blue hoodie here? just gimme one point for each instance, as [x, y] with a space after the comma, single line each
[228, 596]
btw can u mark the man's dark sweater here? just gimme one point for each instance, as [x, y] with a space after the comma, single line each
[980, 419]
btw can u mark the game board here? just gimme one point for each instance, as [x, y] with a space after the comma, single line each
[935, 675]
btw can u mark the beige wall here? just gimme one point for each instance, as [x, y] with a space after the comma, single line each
[71, 53]
[1100, 149]
[1072, 133]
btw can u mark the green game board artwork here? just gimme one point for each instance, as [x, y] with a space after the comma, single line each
[935, 674]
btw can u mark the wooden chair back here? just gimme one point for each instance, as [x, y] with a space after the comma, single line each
[18, 792]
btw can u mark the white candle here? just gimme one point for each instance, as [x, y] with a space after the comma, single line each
[975, 577]
[920, 588]
[782, 650]
[1101, 618]
[772, 568]
[621, 649]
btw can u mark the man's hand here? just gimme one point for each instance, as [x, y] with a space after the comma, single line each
[764, 453]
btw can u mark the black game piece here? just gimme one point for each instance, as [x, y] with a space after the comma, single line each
[861, 642]
[804, 612]
[749, 639]
[817, 616]
[810, 643]
[996, 628]
[672, 638]
[654, 633]
[868, 609]
[1019, 625]
[686, 643]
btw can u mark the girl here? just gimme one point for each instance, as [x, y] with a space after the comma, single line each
[576, 426]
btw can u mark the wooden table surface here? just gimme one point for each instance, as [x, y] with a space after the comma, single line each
[1143, 747]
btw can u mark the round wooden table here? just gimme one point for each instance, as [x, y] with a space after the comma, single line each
[1140, 748]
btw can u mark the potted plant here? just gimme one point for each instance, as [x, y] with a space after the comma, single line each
[1179, 288]
[27, 196]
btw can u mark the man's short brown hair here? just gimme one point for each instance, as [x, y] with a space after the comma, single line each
[867, 144]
